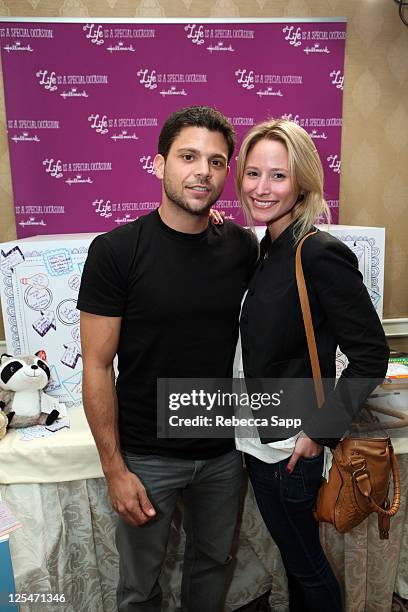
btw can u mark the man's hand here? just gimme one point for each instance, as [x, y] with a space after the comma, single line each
[129, 499]
[216, 216]
[304, 447]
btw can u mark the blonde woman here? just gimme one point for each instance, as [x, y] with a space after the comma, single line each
[280, 184]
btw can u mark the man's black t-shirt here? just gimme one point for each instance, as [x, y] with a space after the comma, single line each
[179, 298]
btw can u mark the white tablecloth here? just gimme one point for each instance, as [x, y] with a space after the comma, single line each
[68, 454]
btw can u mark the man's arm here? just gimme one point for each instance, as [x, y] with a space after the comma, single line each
[99, 339]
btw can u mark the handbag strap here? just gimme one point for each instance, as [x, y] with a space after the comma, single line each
[307, 320]
[317, 379]
[361, 477]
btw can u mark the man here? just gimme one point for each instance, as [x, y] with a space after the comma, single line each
[164, 293]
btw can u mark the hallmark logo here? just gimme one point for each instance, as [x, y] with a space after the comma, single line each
[124, 219]
[269, 91]
[337, 79]
[18, 47]
[73, 93]
[316, 134]
[334, 163]
[121, 47]
[53, 167]
[220, 47]
[293, 35]
[32, 221]
[99, 123]
[172, 91]
[78, 179]
[94, 33]
[24, 137]
[316, 49]
[47, 79]
[147, 78]
[195, 33]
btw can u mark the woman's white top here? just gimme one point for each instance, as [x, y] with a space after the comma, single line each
[276, 451]
[247, 438]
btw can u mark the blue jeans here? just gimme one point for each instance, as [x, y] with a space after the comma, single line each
[286, 503]
[210, 490]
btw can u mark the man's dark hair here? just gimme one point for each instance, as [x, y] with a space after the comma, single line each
[196, 116]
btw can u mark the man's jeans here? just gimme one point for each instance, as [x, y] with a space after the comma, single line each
[286, 503]
[210, 490]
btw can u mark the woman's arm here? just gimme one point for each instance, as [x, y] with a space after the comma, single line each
[331, 271]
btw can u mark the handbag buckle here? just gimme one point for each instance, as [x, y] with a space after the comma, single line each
[360, 477]
[358, 468]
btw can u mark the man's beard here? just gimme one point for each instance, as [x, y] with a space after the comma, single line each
[182, 203]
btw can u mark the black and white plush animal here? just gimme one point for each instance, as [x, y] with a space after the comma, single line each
[22, 380]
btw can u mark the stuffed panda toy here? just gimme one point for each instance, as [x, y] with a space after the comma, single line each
[22, 380]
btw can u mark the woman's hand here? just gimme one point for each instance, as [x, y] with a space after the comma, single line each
[216, 216]
[304, 447]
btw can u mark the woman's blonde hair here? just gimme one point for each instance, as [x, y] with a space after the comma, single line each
[305, 170]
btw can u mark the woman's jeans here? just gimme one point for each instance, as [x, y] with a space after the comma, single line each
[286, 503]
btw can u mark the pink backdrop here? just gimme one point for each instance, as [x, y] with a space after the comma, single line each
[85, 102]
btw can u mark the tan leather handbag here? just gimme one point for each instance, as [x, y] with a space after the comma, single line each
[359, 478]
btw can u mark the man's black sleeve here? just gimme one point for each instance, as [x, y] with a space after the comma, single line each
[103, 286]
